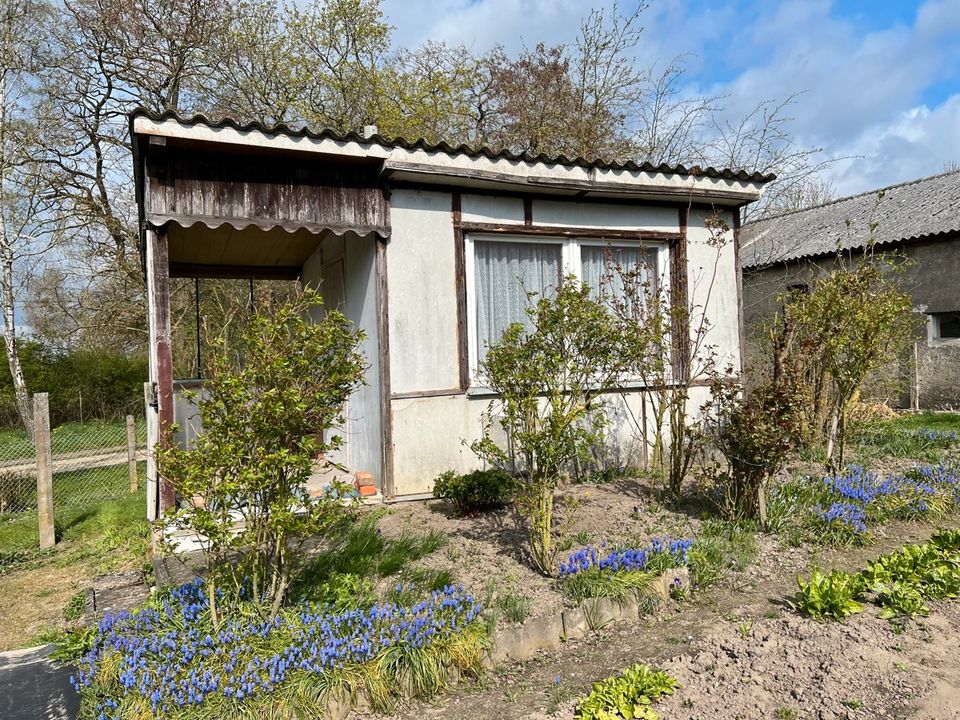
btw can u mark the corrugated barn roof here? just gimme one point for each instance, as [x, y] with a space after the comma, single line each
[921, 208]
[448, 149]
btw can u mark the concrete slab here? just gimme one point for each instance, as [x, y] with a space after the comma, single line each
[33, 687]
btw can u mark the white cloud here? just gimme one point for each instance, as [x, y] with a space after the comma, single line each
[864, 92]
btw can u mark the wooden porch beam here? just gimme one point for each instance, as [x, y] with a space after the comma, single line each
[562, 231]
[160, 351]
[199, 270]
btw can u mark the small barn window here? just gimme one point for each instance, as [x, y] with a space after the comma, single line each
[946, 326]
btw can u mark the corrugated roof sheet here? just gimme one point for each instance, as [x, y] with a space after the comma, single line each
[920, 208]
[448, 149]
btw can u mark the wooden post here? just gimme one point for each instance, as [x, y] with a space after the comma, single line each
[161, 358]
[41, 441]
[132, 453]
[151, 474]
[916, 377]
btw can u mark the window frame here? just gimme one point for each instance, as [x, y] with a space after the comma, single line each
[570, 265]
[935, 335]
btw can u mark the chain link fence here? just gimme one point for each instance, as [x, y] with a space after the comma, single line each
[91, 461]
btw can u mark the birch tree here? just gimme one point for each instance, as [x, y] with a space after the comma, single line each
[23, 217]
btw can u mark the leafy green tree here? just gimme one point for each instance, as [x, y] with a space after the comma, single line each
[860, 321]
[266, 421]
[548, 377]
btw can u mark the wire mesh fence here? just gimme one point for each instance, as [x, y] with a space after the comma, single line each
[92, 461]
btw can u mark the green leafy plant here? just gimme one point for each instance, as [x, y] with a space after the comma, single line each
[476, 491]
[264, 421]
[514, 606]
[628, 695]
[830, 596]
[854, 323]
[900, 600]
[548, 375]
[754, 434]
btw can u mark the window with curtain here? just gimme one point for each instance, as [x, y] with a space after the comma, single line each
[599, 263]
[505, 273]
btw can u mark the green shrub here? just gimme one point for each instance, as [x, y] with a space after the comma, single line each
[830, 596]
[628, 695]
[476, 491]
[755, 434]
[258, 448]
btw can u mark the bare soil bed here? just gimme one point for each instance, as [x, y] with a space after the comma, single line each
[737, 650]
[487, 551]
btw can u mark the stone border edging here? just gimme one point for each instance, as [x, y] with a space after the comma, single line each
[547, 632]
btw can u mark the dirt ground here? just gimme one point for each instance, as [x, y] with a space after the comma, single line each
[738, 650]
[487, 552]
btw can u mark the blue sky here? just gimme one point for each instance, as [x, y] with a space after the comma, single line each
[880, 78]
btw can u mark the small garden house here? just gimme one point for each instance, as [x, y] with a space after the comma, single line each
[427, 248]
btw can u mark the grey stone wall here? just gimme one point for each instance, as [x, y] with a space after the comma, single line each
[931, 276]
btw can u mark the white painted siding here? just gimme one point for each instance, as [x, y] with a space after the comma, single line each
[422, 292]
[605, 215]
[432, 434]
[721, 299]
[491, 209]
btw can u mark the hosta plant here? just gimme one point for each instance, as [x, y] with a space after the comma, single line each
[830, 596]
[628, 695]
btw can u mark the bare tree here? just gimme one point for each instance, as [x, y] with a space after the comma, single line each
[24, 221]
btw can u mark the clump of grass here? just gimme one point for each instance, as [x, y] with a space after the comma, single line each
[721, 546]
[515, 607]
[363, 551]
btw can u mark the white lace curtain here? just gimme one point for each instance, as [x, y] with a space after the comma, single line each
[506, 272]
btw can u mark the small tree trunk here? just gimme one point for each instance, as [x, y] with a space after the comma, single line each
[832, 438]
[21, 394]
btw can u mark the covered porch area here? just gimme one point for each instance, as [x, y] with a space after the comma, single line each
[238, 213]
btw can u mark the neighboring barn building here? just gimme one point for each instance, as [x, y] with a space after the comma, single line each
[918, 219]
[422, 247]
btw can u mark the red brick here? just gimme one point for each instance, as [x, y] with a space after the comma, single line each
[362, 478]
[367, 490]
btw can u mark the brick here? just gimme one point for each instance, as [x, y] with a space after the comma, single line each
[367, 490]
[362, 478]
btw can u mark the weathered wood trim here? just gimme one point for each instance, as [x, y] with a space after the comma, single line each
[383, 343]
[738, 269]
[563, 231]
[679, 298]
[198, 270]
[528, 211]
[460, 283]
[580, 196]
[392, 167]
[161, 360]
[451, 392]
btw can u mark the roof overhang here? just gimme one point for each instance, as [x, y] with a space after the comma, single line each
[486, 170]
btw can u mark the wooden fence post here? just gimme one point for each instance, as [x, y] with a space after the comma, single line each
[132, 453]
[41, 441]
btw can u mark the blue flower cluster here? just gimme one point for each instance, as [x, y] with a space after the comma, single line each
[627, 558]
[848, 514]
[171, 656]
[936, 436]
[858, 491]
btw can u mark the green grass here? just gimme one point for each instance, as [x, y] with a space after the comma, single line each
[70, 437]
[362, 551]
[944, 421]
[720, 546]
[899, 438]
[71, 490]
[77, 525]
